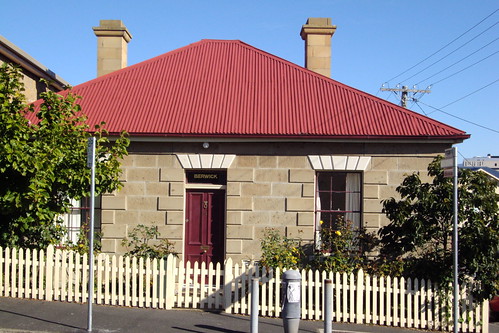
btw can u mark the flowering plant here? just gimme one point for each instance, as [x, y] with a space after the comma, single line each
[280, 251]
[341, 247]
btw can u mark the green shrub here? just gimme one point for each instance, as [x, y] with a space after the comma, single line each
[138, 244]
[342, 248]
[382, 266]
[280, 251]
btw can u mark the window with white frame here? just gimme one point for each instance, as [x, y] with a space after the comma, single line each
[79, 216]
[338, 196]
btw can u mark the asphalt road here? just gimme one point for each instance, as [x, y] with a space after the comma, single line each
[20, 315]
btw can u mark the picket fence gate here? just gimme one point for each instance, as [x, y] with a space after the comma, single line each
[62, 275]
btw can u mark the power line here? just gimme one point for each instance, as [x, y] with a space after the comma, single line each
[453, 51]
[457, 100]
[419, 106]
[462, 119]
[462, 59]
[464, 158]
[455, 39]
[451, 75]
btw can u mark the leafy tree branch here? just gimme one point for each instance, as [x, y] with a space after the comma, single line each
[421, 222]
[43, 162]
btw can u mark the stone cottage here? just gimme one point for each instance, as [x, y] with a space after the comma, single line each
[228, 140]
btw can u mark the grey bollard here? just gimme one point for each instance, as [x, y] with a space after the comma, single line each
[328, 306]
[291, 301]
[255, 296]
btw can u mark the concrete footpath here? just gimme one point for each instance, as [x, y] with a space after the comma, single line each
[20, 315]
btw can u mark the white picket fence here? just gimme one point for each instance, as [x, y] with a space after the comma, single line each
[357, 298]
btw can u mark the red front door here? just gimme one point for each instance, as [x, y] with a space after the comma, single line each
[204, 241]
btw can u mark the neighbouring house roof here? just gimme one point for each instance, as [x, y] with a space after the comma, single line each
[17, 56]
[229, 89]
[492, 173]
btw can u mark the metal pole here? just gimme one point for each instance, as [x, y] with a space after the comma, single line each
[455, 245]
[255, 295]
[328, 306]
[91, 163]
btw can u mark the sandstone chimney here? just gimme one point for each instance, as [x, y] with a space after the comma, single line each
[317, 33]
[112, 42]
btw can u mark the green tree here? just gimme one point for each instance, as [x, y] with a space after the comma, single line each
[420, 231]
[43, 162]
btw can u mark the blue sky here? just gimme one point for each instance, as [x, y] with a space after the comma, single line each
[375, 42]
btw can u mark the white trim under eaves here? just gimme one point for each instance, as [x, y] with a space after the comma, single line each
[331, 162]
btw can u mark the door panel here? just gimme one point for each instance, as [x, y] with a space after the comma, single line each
[205, 211]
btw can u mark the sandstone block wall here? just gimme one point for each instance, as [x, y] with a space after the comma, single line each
[153, 194]
[381, 180]
[261, 192]
[274, 193]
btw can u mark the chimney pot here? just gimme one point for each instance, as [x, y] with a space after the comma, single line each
[112, 46]
[317, 33]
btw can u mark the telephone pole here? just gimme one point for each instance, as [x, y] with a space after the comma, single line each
[404, 92]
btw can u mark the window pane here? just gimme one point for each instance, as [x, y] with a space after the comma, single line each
[338, 180]
[324, 181]
[325, 199]
[338, 201]
[329, 219]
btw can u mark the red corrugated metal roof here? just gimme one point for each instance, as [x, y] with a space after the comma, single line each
[226, 88]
